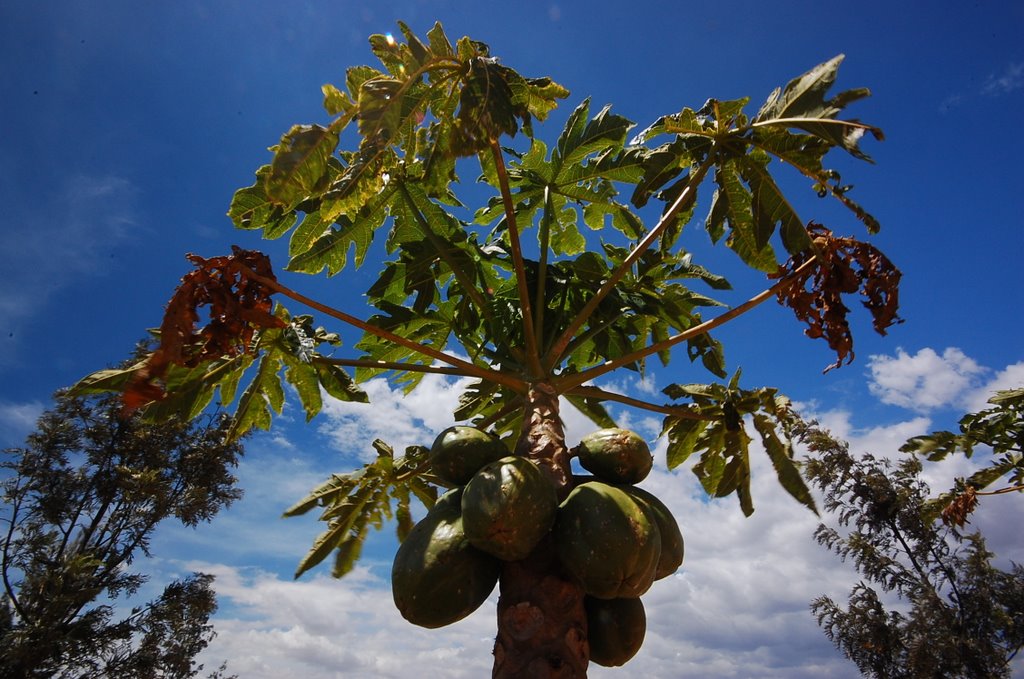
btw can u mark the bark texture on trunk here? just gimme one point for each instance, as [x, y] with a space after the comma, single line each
[543, 437]
[542, 625]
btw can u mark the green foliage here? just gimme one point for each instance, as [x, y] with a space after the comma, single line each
[353, 503]
[962, 617]
[719, 433]
[1000, 429]
[82, 500]
[287, 355]
[460, 280]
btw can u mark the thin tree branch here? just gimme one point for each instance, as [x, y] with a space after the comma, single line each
[1001, 491]
[573, 380]
[532, 355]
[469, 369]
[819, 121]
[391, 365]
[675, 411]
[686, 196]
[542, 267]
[8, 539]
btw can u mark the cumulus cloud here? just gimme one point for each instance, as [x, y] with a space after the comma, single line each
[1010, 377]
[926, 381]
[739, 607]
[414, 419]
[923, 381]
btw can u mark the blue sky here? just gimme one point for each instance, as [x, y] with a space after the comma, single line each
[129, 127]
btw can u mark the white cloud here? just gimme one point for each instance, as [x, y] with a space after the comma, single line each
[72, 234]
[1010, 377]
[924, 381]
[414, 419]
[739, 607]
[1011, 79]
[17, 420]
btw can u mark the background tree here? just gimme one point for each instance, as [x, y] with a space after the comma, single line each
[999, 429]
[82, 500]
[957, 615]
[606, 285]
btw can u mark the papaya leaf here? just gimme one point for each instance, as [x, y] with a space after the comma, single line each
[403, 513]
[348, 552]
[770, 206]
[804, 96]
[683, 435]
[103, 381]
[328, 249]
[802, 105]
[352, 503]
[660, 166]
[710, 470]
[304, 378]
[938, 445]
[439, 43]
[336, 382]
[781, 455]
[263, 396]
[746, 238]
[300, 164]
[593, 409]
[336, 101]
[252, 208]
[1000, 429]
[984, 478]
[344, 529]
[337, 484]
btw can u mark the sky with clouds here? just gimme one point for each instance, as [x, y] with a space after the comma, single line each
[130, 127]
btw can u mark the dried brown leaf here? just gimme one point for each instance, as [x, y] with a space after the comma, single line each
[238, 307]
[845, 265]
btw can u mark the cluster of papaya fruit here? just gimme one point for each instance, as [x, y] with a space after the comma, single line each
[614, 538]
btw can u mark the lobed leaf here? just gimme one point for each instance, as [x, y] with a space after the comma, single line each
[300, 164]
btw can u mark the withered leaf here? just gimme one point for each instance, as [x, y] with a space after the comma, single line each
[845, 265]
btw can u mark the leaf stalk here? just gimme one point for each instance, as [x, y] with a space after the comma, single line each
[468, 369]
[574, 380]
[686, 196]
[532, 354]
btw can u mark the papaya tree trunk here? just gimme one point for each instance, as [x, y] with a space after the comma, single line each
[542, 625]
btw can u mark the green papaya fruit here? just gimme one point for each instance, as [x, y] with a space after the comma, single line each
[615, 629]
[615, 455]
[671, 537]
[438, 577]
[459, 452]
[607, 541]
[507, 507]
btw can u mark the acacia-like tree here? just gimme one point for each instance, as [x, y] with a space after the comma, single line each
[82, 500]
[957, 615]
[606, 284]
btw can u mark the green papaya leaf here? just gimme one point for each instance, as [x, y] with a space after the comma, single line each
[592, 408]
[683, 435]
[781, 455]
[300, 164]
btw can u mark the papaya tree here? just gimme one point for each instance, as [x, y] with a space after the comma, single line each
[603, 283]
